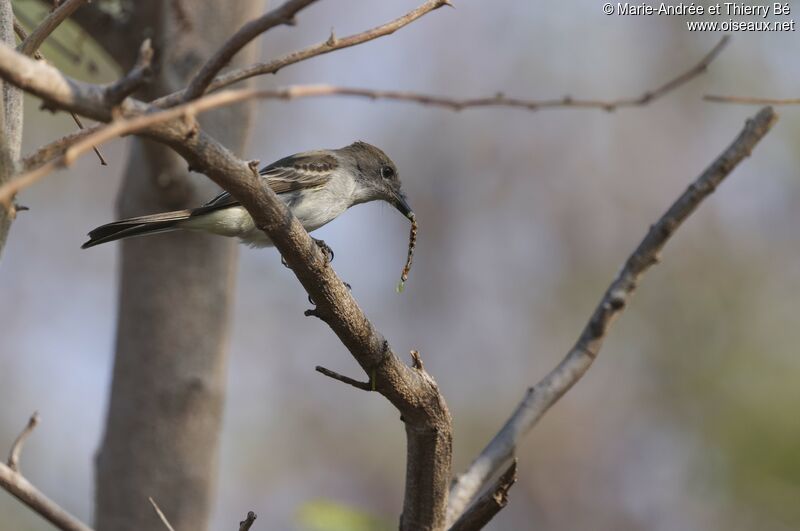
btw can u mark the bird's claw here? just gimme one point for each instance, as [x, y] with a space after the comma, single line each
[324, 247]
[326, 250]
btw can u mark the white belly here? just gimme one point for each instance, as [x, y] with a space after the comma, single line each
[314, 208]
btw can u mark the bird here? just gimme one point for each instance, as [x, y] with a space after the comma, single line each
[317, 186]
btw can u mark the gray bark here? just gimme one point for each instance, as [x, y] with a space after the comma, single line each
[10, 121]
[164, 417]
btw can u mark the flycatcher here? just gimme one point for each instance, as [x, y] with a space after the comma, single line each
[317, 186]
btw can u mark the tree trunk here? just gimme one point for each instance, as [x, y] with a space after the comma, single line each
[164, 416]
[10, 122]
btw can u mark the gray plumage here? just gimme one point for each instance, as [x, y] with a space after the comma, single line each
[317, 186]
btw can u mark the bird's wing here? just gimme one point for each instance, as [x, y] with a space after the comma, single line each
[300, 171]
[295, 172]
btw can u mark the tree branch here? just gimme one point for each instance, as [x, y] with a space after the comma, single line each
[247, 523]
[139, 75]
[21, 19]
[412, 391]
[57, 147]
[281, 15]
[16, 449]
[364, 386]
[539, 398]
[749, 100]
[487, 506]
[48, 26]
[332, 44]
[15, 484]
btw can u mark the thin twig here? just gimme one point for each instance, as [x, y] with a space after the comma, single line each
[16, 448]
[750, 100]
[19, 487]
[487, 506]
[48, 26]
[334, 43]
[499, 100]
[247, 523]
[160, 513]
[79, 123]
[281, 15]
[364, 386]
[330, 45]
[540, 397]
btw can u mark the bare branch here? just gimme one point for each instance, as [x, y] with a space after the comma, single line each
[19, 487]
[330, 45]
[48, 26]
[281, 15]
[413, 392]
[16, 448]
[247, 523]
[21, 19]
[539, 398]
[364, 386]
[122, 126]
[140, 74]
[79, 123]
[750, 100]
[55, 148]
[306, 91]
[487, 506]
[160, 514]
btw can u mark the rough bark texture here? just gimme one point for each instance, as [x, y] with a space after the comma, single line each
[164, 416]
[10, 121]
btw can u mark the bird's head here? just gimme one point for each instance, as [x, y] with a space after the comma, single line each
[377, 175]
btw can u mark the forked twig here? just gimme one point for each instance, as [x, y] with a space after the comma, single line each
[16, 448]
[539, 398]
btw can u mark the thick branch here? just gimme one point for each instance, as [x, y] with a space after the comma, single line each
[332, 44]
[139, 75]
[539, 398]
[487, 506]
[411, 390]
[281, 15]
[48, 26]
[22, 489]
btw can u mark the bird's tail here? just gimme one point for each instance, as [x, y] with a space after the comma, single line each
[143, 225]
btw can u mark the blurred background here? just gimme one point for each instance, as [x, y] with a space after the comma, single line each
[688, 418]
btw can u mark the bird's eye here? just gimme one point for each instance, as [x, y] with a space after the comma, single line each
[387, 172]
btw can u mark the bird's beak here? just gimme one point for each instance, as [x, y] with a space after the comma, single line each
[401, 204]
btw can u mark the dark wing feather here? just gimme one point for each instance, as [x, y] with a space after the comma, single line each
[295, 172]
[300, 171]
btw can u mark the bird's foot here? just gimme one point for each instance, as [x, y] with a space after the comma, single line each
[324, 247]
[326, 250]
